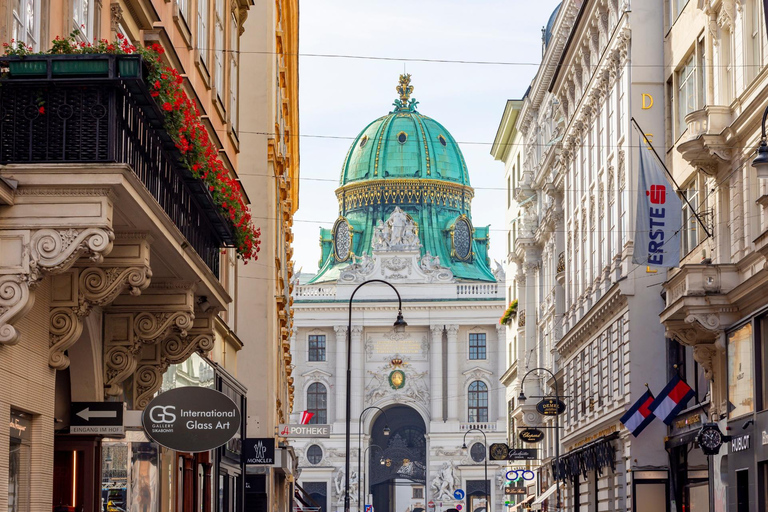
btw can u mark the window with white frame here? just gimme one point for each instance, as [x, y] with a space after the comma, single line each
[82, 19]
[753, 33]
[234, 75]
[202, 30]
[183, 6]
[691, 230]
[26, 22]
[620, 104]
[687, 96]
[477, 396]
[218, 51]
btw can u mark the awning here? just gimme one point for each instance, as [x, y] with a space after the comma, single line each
[526, 500]
[546, 494]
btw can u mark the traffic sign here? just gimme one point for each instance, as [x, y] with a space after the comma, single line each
[96, 418]
[431, 504]
[459, 494]
[459, 507]
[369, 508]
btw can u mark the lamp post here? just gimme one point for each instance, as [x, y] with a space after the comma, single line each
[760, 163]
[365, 480]
[359, 442]
[399, 325]
[522, 398]
[485, 461]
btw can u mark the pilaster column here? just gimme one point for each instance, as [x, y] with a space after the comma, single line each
[358, 365]
[436, 371]
[341, 372]
[453, 372]
[501, 346]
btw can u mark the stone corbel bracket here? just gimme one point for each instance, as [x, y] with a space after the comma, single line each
[155, 359]
[77, 291]
[29, 255]
[163, 310]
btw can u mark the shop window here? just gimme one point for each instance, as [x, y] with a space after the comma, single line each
[19, 462]
[477, 345]
[740, 372]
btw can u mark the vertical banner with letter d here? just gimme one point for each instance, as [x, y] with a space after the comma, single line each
[659, 215]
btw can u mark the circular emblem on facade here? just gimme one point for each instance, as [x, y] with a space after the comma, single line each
[499, 451]
[342, 240]
[477, 452]
[462, 239]
[397, 379]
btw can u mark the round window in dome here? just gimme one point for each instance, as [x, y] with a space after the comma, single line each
[402, 137]
[462, 239]
[363, 141]
[314, 454]
[442, 140]
[342, 239]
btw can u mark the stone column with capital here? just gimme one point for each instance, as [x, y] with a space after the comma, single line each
[358, 367]
[453, 372]
[341, 372]
[436, 371]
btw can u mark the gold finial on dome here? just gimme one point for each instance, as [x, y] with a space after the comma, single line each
[404, 88]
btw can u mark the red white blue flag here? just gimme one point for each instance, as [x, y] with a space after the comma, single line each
[639, 415]
[672, 399]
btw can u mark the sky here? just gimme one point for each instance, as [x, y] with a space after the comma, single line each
[339, 96]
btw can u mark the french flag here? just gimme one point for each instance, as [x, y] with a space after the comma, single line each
[639, 415]
[306, 416]
[672, 399]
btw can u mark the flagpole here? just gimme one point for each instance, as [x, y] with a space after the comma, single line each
[693, 210]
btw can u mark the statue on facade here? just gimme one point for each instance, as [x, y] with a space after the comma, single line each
[444, 483]
[338, 484]
[398, 233]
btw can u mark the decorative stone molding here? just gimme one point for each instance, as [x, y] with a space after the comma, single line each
[30, 255]
[115, 16]
[174, 349]
[76, 291]
[164, 310]
[705, 355]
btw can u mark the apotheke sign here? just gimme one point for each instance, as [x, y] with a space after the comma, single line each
[297, 431]
[191, 419]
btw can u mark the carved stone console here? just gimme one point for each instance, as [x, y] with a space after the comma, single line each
[76, 291]
[163, 311]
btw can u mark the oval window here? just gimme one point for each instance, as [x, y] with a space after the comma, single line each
[442, 140]
[363, 141]
[342, 240]
[314, 454]
[462, 239]
[402, 137]
[477, 452]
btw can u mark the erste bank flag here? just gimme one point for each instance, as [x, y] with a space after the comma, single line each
[659, 215]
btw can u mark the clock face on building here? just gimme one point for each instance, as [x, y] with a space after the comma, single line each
[710, 439]
[342, 240]
[462, 239]
[477, 452]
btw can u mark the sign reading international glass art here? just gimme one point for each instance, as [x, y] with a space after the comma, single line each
[191, 419]
[550, 406]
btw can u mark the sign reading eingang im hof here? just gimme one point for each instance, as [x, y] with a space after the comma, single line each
[191, 419]
[259, 451]
[550, 406]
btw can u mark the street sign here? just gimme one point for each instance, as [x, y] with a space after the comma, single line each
[459, 507]
[259, 451]
[369, 508]
[431, 504]
[304, 431]
[522, 454]
[459, 494]
[550, 406]
[96, 418]
[191, 419]
[531, 435]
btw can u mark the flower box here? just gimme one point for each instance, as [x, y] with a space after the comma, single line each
[129, 66]
[24, 68]
[80, 67]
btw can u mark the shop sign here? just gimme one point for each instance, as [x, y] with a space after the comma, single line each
[259, 451]
[550, 407]
[515, 490]
[739, 444]
[304, 431]
[96, 418]
[522, 454]
[191, 419]
[20, 426]
[531, 435]
[694, 420]
[499, 451]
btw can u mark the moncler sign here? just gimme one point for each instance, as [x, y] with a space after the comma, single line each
[259, 451]
[191, 419]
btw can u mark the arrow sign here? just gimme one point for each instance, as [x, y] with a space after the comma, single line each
[87, 414]
[96, 418]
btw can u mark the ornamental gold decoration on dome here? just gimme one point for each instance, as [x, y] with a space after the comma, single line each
[404, 89]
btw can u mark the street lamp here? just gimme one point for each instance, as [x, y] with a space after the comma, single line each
[365, 480]
[400, 325]
[760, 163]
[522, 398]
[359, 441]
[485, 463]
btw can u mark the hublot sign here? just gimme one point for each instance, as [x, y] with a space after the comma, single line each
[739, 444]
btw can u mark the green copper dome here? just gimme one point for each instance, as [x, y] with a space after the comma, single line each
[409, 161]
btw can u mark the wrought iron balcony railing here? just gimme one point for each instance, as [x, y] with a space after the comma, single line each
[98, 109]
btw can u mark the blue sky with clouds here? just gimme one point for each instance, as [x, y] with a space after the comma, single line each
[340, 96]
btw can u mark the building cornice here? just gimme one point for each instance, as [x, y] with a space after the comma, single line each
[592, 321]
